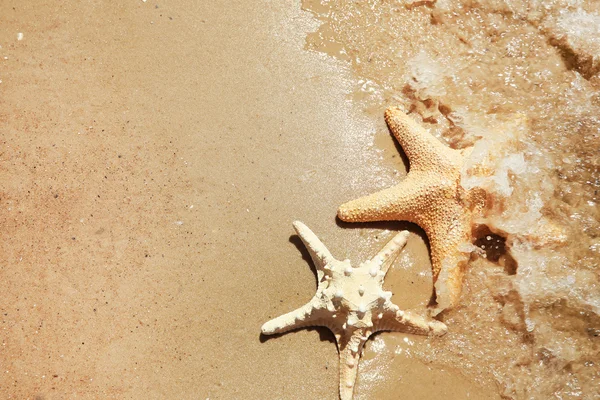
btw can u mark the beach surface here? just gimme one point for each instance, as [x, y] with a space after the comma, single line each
[154, 156]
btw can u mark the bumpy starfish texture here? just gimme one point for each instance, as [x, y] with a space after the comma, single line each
[430, 196]
[351, 302]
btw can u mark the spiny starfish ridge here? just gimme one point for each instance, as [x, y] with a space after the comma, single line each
[430, 196]
[351, 302]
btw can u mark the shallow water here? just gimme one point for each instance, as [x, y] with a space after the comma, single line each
[520, 80]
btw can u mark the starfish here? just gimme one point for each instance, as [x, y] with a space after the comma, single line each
[351, 302]
[430, 196]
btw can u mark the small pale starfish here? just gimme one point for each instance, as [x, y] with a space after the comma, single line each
[351, 302]
[430, 196]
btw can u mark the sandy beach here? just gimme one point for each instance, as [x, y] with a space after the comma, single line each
[154, 155]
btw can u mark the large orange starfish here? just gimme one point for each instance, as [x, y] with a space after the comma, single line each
[430, 196]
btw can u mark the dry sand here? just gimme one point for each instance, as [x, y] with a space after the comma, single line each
[154, 155]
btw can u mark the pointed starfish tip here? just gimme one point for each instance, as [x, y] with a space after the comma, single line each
[298, 224]
[438, 328]
[345, 213]
[392, 112]
[266, 329]
[367, 209]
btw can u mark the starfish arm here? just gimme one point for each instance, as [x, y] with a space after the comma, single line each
[448, 263]
[401, 202]
[299, 318]
[420, 146]
[319, 253]
[350, 352]
[402, 321]
[385, 258]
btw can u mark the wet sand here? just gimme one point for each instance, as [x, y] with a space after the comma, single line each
[519, 80]
[154, 156]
